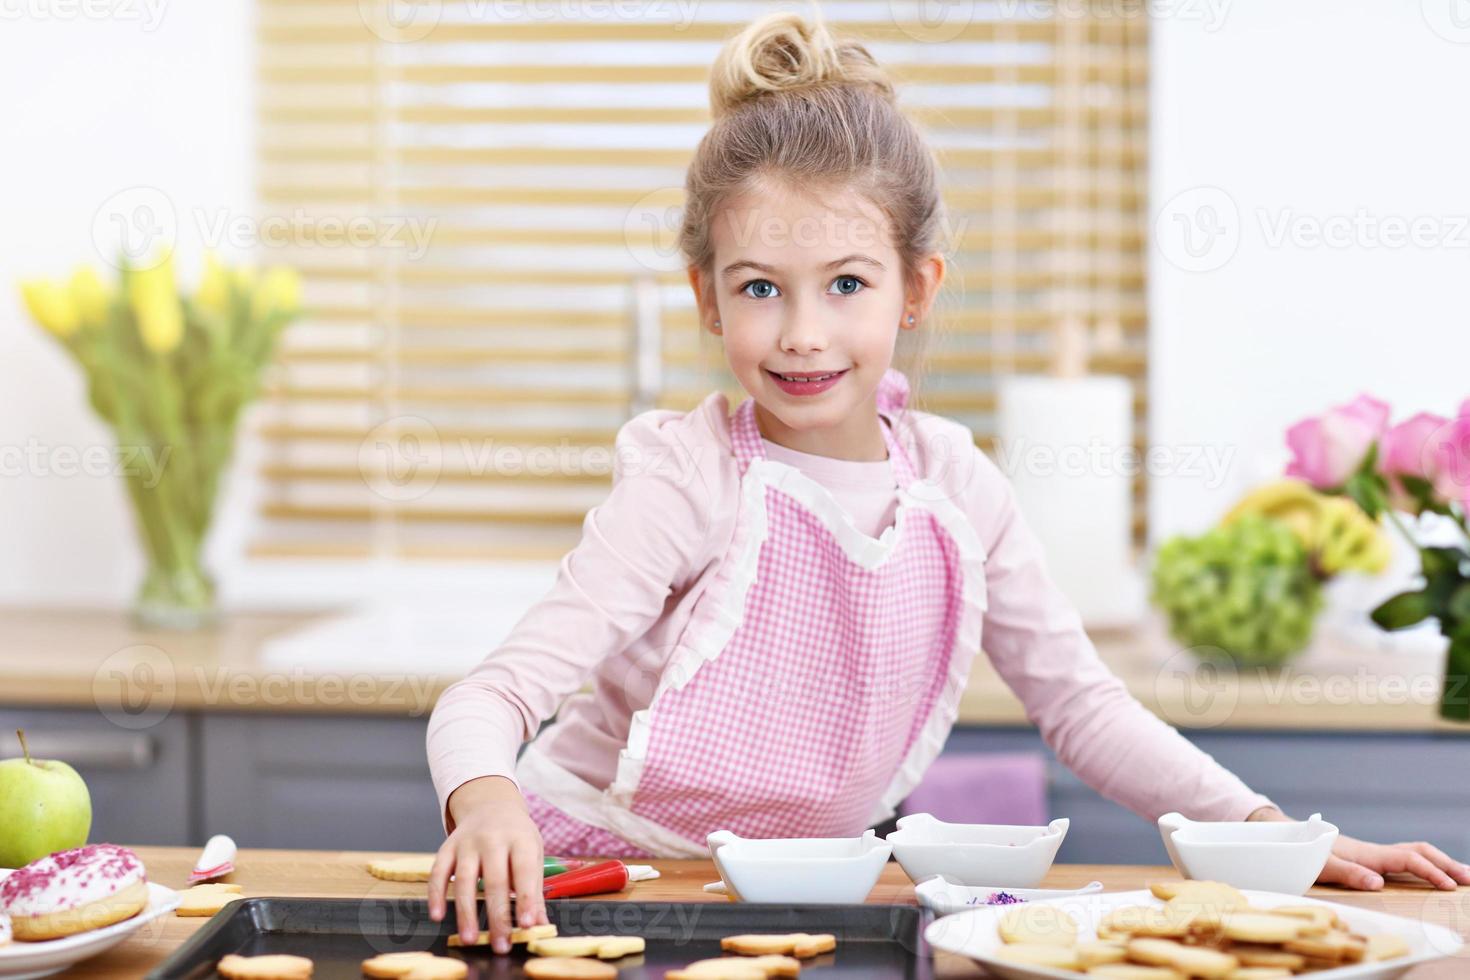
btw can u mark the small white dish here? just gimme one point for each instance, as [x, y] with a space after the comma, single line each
[798, 869]
[946, 898]
[973, 934]
[976, 854]
[1273, 856]
[21, 961]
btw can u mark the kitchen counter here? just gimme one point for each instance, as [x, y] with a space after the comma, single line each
[343, 874]
[306, 730]
[92, 658]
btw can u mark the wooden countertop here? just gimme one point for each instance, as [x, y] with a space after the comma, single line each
[343, 874]
[93, 658]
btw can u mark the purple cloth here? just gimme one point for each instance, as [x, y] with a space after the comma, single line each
[982, 787]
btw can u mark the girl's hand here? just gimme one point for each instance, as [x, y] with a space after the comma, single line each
[1360, 864]
[494, 838]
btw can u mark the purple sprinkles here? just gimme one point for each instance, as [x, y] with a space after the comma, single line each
[999, 898]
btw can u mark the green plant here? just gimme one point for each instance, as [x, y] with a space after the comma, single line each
[1245, 588]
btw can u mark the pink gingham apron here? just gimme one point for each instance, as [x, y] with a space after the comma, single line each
[816, 679]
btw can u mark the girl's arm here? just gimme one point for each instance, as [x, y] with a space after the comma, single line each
[646, 537]
[1034, 635]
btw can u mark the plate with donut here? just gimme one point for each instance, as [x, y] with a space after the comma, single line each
[1190, 929]
[73, 904]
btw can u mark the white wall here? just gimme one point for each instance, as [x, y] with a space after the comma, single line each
[1302, 114]
[143, 93]
[1311, 109]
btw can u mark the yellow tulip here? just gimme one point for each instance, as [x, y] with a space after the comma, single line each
[214, 287]
[155, 303]
[89, 295]
[50, 305]
[244, 276]
[279, 292]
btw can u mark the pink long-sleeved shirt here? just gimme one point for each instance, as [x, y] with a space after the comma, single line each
[623, 595]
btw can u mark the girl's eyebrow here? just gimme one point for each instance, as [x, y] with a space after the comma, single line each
[735, 267]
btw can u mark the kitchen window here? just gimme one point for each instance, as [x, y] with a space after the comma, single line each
[482, 200]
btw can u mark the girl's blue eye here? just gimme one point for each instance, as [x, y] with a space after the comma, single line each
[768, 288]
[759, 282]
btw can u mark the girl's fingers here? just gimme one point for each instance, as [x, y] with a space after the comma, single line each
[497, 898]
[439, 879]
[1455, 869]
[1351, 874]
[467, 868]
[1402, 858]
[526, 866]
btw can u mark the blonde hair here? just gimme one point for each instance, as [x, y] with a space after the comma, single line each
[793, 104]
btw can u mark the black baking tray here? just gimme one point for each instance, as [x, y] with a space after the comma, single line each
[339, 933]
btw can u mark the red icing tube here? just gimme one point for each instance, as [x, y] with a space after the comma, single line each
[594, 879]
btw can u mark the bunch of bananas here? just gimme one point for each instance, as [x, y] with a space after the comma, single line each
[1336, 533]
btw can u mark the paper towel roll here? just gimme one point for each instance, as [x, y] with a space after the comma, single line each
[1067, 446]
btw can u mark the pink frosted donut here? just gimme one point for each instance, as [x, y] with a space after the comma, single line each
[73, 891]
[4, 928]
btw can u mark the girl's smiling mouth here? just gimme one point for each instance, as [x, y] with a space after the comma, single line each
[806, 382]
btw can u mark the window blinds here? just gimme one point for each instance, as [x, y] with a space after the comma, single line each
[482, 198]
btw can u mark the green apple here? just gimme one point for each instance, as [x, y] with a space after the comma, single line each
[44, 807]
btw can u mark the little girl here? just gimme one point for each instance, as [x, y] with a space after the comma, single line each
[779, 609]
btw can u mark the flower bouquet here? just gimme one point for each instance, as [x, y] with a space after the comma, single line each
[1420, 466]
[170, 374]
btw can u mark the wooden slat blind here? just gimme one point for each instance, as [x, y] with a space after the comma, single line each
[484, 212]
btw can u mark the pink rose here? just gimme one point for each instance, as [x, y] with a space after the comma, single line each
[1407, 450]
[1327, 450]
[1451, 458]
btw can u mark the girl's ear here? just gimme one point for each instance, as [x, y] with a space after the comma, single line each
[704, 301]
[927, 279]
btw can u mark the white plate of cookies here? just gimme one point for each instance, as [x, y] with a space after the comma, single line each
[1182, 929]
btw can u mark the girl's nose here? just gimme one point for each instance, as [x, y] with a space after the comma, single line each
[803, 335]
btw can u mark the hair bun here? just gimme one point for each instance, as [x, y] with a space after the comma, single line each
[783, 51]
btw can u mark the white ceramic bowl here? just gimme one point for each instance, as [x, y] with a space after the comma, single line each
[798, 869]
[19, 961]
[998, 855]
[1273, 856]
